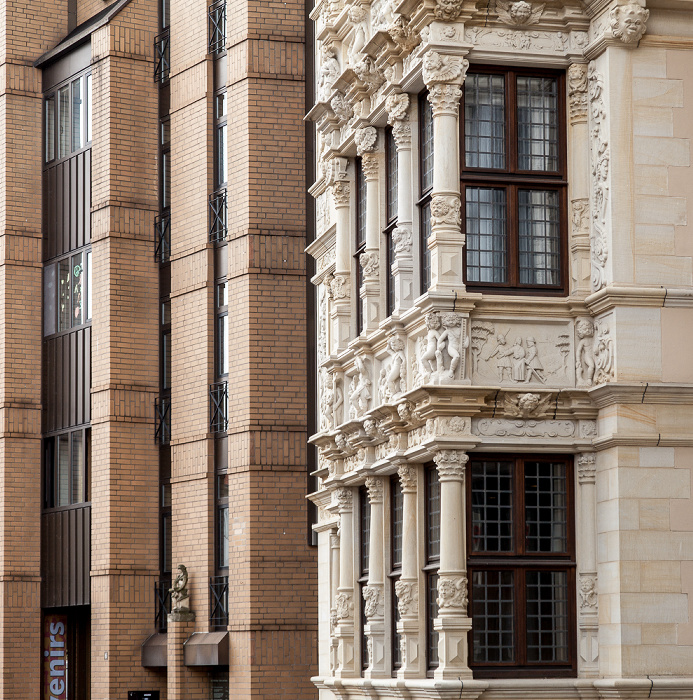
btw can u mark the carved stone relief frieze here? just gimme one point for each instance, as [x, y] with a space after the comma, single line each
[594, 352]
[537, 355]
[577, 91]
[604, 354]
[587, 468]
[500, 427]
[442, 426]
[441, 353]
[360, 388]
[627, 22]
[519, 13]
[519, 40]
[588, 594]
[393, 374]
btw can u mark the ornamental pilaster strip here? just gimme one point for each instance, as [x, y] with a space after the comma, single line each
[374, 592]
[370, 260]
[340, 284]
[344, 600]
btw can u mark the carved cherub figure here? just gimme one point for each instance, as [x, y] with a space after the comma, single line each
[428, 358]
[525, 405]
[397, 374]
[588, 592]
[584, 353]
[518, 13]
[451, 340]
[628, 22]
[361, 394]
[357, 15]
[329, 70]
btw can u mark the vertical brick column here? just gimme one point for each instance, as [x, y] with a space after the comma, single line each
[26, 31]
[125, 367]
[179, 686]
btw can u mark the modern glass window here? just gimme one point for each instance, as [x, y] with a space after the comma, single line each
[364, 553]
[391, 198]
[66, 459]
[514, 180]
[222, 304]
[67, 293]
[221, 148]
[67, 118]
[222, 539]
[165, 163]
[360, 243]
[432, 525]
[521, 565]
[426, 186]
[396, 533]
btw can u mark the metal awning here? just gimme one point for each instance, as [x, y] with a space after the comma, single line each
[154, 651]
[207, 649]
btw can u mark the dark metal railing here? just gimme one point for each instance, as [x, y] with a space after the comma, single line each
[162, 57]
[218, 602]
[162, 434]
[217, 27]
[218, 216]
[218, 407]
[162, 603]
[162, 230]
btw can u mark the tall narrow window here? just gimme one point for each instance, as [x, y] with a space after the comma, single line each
[521, 566]
[391, 196]
[432, 563]
[64, 121]
[397, 532]
[66, 461]
[360, 244]
[364, 552]
[426, 176]
[514, 180]
[73, 292]
[222, 354]
[49, 135]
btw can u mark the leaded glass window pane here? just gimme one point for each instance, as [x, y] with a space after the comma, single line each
[425, 252]
[426, 146]
[50, 128]
[360, 207]
[546, 507]
[493, 603]
[486, 213]
[537, 123]
[540, 240]
[433, 514]
[64, 121]
[484, 121]
[432, 613]
[492, 506]
[77, 114]
[547, 616]
[391, 177]
[397, 523]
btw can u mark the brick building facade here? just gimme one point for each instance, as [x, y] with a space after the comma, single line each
[152, 359]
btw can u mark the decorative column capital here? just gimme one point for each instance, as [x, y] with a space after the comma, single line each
[577, 91]
[345, 499]
[407, 477]
[627, 22]
[587, 468]
[374, 485]
[451, 464]
[334, 538]
[366, 139]
[341, 193]
[370, 166]
[445, 99]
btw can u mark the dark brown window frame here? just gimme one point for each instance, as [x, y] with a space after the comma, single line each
[425, 192]
[364, 563]
[512, 179]
[359, 243]
[430, 570]
[391, 221]
[523, 562]
[395, 570]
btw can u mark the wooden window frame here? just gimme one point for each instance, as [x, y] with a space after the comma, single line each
[430, 569]
[359, 245]
[395, 571]
[425, 192]
[363, 562]
[520, 562]
[512, 179]
[391, 221]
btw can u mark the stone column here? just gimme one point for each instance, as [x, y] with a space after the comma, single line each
[334, 587]
[374, 592]
[340, 285]
[366, 141]
[344, 600]
[407, 588]
[443, 75]
[452, 623]
[587, 582]
[579, 179]
[397, 106]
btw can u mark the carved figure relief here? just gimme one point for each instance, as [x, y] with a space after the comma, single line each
[326, 401]
[445, 210]
[526, 405]
[588, 593]
[367, 73]
[580, 216]
[441, 354]
[519, 39]
[447, 10]
[479, 335]
[402, 34]
[518, 13]
[452, 593]
[357, 16]
[402, 240]
[180, 597]
[329, 72]
[341, 107]
[344, 605]
[599, 147]
[584, 352]
[397, 105]
[395, 378]
[443, 69]
[577, 90]
[373, 601]
[370, 264]
[407, 598]
[497, 427]
[383, 15]
[360, 389]
[628, 22]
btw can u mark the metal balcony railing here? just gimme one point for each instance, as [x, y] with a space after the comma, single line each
[217, 27]
[162, 231]
[162, 57]
[218, 216]
[218, 602]
[162, 434]
[218, 407]
[162, 603]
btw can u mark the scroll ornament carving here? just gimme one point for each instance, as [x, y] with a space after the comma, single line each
[447, 10]
[587, 468]
[344, 498]
[394, 375]
[445, 98]
[407, 477]
[518, 13]
[341, 193]
[339, 287]
[369, 165]
[402, 239]
[402, 34]
[438, 68]
[368, 74]
[397, 105]
[403, 650]
[452, 592]
[407, 598]
[588, 593]
[370, 264]
[360, 389]
[329, 72]
[445, 211]
[369, 649]
[599, 147]
[366, 139]
[604, 355]
[628, 22]
[374, 485]
[496, 427]
[451, 463]
[344, 605]
[373, 601]
[341, 107]
[577, 90]
[526, 405]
